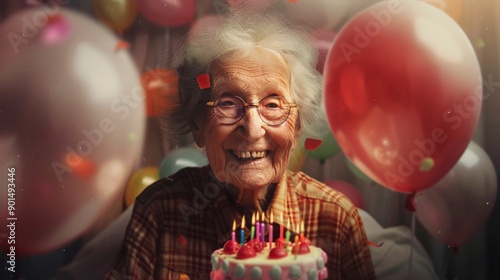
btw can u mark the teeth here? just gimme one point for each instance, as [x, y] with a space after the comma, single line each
[247, 154]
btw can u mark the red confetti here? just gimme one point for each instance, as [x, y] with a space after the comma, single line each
[293, 1]
[121, 45]
[82, 166]
[371, 243]
[51, 19]
[203, 81]
[312, 144]
[182, 240]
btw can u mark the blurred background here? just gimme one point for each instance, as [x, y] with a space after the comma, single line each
[80, 123]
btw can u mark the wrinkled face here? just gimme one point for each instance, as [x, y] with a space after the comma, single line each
[249, 154]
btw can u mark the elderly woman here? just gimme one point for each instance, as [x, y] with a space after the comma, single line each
[264, 92]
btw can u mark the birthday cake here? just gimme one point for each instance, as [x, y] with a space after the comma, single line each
[256, 261]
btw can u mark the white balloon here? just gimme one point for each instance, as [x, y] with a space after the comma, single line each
[456, 207]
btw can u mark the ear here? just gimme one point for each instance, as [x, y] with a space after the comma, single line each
[297, 132]
[198, 131]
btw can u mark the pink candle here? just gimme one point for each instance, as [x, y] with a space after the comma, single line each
[263, 230]
[233, 235]
[271, 232]
[257, 228]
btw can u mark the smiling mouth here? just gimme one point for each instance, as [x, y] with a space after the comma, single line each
[248, 154]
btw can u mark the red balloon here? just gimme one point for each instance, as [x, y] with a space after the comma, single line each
[167, 12]
[402, 93]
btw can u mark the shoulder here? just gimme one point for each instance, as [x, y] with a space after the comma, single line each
[177, 187]
[312, 189]
[331, 202]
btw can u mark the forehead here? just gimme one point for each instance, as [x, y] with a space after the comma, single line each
[261, 68]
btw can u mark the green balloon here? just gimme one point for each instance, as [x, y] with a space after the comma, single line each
[358, 173]
[326, 150]
[180, 158]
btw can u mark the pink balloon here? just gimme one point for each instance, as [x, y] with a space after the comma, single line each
[167, 12]
[348, 190]
[207, 21]
[72, 120]
[323, 40]
[319, 13]
[456, 207]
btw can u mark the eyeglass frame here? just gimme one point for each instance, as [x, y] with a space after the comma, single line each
[213, 104]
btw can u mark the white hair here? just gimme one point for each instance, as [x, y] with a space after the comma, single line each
[240, 33]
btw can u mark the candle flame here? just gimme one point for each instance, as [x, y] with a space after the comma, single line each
[253, 218]
[263, 217]
[242, 222]
[271, 217]
[281, 218]
[288, 223]
[302, 228]
[234, 225]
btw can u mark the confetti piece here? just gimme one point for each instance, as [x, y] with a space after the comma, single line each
[371, 243]
[132, 137]
[293, 1]
[56, 30]
[312, 144]
[82, 166]
[121, 45]
[183, 276]
[480, 43]
[182, 240]
[427, 164]
[203, 81]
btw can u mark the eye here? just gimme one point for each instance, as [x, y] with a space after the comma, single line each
[272, 103]
[227, 101]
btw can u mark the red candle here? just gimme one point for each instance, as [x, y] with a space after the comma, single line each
[281, 226]
[301, 230]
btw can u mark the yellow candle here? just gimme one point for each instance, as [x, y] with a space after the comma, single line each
[252, 231]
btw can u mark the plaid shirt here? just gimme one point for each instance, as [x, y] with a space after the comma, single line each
[180, 220]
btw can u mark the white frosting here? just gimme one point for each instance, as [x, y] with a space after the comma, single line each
[307, 266]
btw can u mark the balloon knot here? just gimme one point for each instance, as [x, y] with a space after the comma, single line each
[411, 203]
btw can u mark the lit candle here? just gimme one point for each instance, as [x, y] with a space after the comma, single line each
[287, 233]
[257, 227]
[242, 232]
[233, 235]
[252, 231]
[263, 229]
[271, 232]
[281, 225]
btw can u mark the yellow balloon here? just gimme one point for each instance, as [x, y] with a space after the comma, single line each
[141, 178]
[297, 158]
[117, 14]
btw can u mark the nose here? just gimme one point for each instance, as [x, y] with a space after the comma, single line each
[252, 125]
